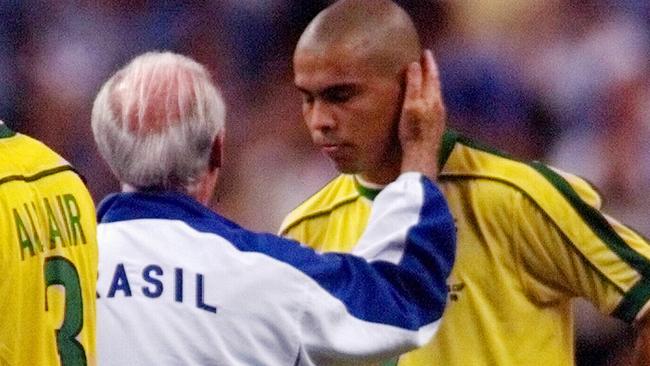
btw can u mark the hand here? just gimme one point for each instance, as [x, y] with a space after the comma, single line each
[422, 121]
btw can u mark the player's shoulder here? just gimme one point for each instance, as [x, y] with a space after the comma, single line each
[338, 192]
[35, 157]
[28, 160]
[465, 158]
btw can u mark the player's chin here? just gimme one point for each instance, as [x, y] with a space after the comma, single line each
[347, 163]
[347, 167]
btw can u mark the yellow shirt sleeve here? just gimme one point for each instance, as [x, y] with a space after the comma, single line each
[570, 250]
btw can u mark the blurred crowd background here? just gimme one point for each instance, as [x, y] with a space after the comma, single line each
[564, 82]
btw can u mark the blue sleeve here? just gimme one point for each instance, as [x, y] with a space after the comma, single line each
[406, 289]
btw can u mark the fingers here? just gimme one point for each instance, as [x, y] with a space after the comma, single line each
[431, 78]
[423, 81]
[413, 83]
[422, 120]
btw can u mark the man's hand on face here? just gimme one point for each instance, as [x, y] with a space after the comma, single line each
[422, 121]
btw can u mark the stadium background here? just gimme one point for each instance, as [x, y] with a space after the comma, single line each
[565, 82]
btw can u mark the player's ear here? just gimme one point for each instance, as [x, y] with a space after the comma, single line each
[403, 78]
[216, 153]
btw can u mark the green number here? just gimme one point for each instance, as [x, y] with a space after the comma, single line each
[60, 271]
[392, 362]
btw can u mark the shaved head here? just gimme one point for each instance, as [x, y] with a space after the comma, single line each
[377, 31]
[350, 67]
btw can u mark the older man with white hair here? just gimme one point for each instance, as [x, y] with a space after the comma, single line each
[179, 284]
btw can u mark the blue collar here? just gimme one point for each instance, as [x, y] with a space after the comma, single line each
[155, 205]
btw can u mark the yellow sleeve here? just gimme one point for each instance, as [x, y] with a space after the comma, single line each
[578, 251]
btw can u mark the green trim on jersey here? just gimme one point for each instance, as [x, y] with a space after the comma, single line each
[576, 250]
[48, 257]
[588, 213]
[633, 301]
[489, 193]
[449, 140]
[595, 220]
[451, 137]
[312, 215]
[5, 131]
[37, 176]
[367, 192]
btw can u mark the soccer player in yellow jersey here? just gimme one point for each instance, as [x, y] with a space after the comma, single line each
[48, 257]
[530, 238]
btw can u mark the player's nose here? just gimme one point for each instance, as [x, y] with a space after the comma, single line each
[321, 117]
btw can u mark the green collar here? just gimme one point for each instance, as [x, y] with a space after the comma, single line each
[369, 193]
[449, 139]
[5, 131]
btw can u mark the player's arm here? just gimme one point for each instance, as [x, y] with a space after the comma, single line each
[579, 251]
[423, 117]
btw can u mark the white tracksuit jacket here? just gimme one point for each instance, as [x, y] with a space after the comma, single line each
[180, 285]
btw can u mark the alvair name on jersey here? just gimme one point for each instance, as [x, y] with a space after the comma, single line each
[62, 216]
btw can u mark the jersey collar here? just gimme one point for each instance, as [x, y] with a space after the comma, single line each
[367, 189]
[371, 190]
[152, 205]
[449, 139]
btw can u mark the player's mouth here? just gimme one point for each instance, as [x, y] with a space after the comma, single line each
[333, 147]
[330, 149]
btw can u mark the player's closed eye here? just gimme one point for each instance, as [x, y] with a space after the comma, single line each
[339, 94]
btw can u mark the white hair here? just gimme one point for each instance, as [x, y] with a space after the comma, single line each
[156, 119]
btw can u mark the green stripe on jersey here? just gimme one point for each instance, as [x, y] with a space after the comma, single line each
[589, 214]
[596, 221]
[37, 176]
[633, 301]
[637, 296]
[449, 139]
[480, 146]
[323, 212]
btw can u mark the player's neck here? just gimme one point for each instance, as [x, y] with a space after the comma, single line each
[380, 177]
[369, 185]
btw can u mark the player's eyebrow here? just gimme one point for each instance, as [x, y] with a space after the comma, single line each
[303, 90]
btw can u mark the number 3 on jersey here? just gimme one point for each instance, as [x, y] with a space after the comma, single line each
[60, 271]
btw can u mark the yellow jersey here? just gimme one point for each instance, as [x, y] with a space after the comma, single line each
[48, 256]
[530, 239]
